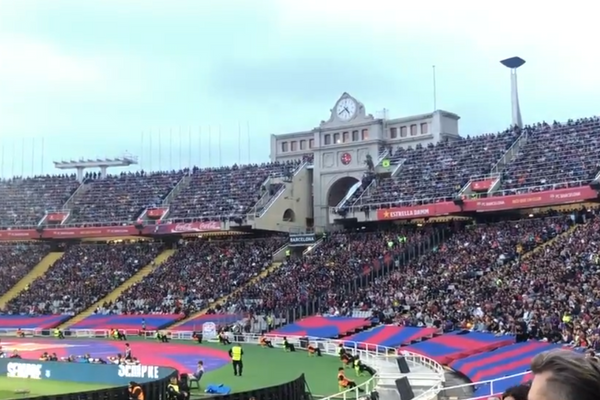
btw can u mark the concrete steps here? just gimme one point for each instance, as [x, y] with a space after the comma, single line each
[40, 269]
[115, 294]
[223, 299]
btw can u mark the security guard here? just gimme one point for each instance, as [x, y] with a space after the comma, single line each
[236, 353]
[288, 253]
[58, 334]
[173, 392]
[135, 391]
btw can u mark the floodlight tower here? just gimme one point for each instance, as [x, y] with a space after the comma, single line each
[514, 63]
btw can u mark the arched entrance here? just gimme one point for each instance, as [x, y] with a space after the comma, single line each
[339, 189]
[289, 215]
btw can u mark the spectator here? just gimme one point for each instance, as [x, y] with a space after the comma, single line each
[199, 273]
[26, 200]
[83, 275]
[17, 260]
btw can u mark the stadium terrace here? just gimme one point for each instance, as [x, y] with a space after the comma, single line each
[477, 253]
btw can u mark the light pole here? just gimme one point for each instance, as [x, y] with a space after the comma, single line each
[514, 63]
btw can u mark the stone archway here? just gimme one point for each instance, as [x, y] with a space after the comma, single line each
[339, 189]
[289, 215]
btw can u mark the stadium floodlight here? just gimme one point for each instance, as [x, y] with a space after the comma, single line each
[513, 64]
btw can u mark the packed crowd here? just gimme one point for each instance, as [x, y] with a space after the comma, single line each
[556, 156]
[433, 172]
[83, 275]
[198, 273]
[121, 198]
[226, 192]
[336, 263]
[26, 200]
[17, 259]
[471, 273]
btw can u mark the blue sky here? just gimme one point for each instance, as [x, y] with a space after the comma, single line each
[90, 77]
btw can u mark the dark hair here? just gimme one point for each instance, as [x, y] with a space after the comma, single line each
[518, 392]
[572, 375]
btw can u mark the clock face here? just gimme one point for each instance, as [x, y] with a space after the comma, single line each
[346, 158]
[346, 108]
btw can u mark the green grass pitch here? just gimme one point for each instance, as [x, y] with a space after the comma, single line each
[263, 367]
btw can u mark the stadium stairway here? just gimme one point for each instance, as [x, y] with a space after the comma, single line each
[223, 299]
[40, 269]
[114, 295]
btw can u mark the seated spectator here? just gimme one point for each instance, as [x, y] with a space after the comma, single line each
[555, 156]
[200, 272]
[122, 198]
[226, 192]
[336, 263]
[18, 259]
[83, 275]
[435, 173]
[26, 200]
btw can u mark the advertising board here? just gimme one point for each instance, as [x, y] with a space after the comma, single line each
[109, 374]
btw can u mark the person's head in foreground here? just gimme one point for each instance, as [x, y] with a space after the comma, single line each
[564, 375]
[519, 392]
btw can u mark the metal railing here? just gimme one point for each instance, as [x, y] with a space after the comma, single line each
[373, 355]
[492, 384]
[540, 188]
[511, 152]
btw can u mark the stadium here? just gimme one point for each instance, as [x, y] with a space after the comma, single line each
[443, 263]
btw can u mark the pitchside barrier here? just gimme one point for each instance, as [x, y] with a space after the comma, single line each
[491, 393]
[153, 380]
[382, 359]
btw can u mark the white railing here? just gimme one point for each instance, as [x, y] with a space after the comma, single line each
[492, 384]
[372, 355]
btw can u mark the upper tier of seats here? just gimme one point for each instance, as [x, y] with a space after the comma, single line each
[25, 201]
[556, 156]
[433, 172]
[226, 192]
[121, 198]
[83, 275]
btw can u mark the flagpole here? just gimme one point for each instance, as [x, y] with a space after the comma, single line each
[239, 142]
[170, 148]
[180, 148]
[160, 150]
[23, 157]
[248, 138]
[190, 164]
[220, 160]
[209, 146]
[42, 158]
[142, 158]
[434, 88]
[32, 156]
[12, 159]
[2, 161]
[200, 146]
[150, 149]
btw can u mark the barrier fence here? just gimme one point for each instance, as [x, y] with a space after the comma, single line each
[491, 393]
[378, 357]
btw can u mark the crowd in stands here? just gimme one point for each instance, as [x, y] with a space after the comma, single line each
[226, 192]
[336, 262]
[26, 200]
[121, 198]
[17, 259]
[83, 275]
[556, 156]
[436, 172]
[198, 273]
